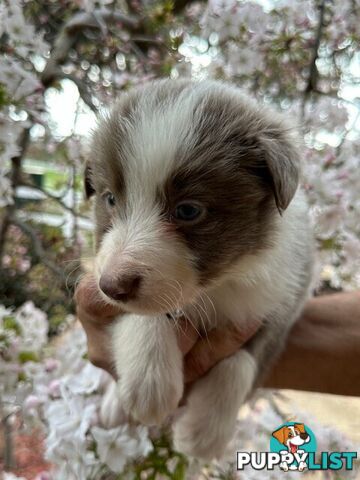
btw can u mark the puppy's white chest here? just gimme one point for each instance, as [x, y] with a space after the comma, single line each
[225, 306]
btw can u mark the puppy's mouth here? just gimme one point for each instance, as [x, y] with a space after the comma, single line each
[293, 448]
[141, 304]
[175, 314]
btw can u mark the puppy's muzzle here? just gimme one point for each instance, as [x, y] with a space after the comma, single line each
[121, 288]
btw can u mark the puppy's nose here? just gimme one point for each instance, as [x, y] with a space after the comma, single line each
[304, 436]
[121, 288]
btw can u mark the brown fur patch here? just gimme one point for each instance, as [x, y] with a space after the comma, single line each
[237, 220]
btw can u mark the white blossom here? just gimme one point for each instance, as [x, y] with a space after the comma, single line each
[329, 113]
[68, 418]
[89, 5]
[73, 459]
[87, 381]
[242, 61]
[34, 326]
[330, 219]
[22, 33]
[18, 81]
[11, 476]
[4, 312]
[118, 445]
[254, 18]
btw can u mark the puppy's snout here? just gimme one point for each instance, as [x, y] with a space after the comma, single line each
[121, 288]
[304, 436]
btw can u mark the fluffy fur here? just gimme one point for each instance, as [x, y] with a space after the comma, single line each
[246, 258]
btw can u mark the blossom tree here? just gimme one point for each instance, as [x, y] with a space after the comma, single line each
[300, 56]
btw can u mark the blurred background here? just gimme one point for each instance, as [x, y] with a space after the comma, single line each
[63, 62]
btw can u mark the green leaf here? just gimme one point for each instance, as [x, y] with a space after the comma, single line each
[22, 377]
[329, 244]
[11, 324]
[28, 357]
[180, 471]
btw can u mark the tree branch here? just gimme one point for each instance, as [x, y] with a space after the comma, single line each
[15, 179]
[313, 72]
[53, 197]
[69, 35]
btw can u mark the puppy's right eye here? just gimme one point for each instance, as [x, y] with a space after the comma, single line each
[110, 199]
[187, 212]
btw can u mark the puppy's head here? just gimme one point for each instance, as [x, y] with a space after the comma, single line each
[188, 178]
[292, 436]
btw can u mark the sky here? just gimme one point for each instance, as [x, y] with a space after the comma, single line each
[62, 106]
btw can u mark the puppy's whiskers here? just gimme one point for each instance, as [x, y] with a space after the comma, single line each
[212, 305]
[207, 317]
[173, 320]
[68, 276]
[192, 323]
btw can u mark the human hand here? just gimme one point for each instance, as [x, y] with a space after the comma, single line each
[326, 338]
[200, 354]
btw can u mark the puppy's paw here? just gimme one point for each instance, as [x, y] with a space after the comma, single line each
[208, 421]
[152, 395]
[149, 366]
[203, 435]
[111, 412]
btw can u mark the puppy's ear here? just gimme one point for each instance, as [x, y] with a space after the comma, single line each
[300, 427]
[280, 435]
[282, 161]
[88, 182]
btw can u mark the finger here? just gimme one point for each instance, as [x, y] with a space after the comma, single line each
[95, 315]
[91, 303]
[98, 347]
[219, 344]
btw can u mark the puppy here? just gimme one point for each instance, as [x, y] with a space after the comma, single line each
[198, 213]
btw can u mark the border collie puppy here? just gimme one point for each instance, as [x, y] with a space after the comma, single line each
[198, 214]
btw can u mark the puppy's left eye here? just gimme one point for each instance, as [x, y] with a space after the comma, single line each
[188, 212]
[110, 199]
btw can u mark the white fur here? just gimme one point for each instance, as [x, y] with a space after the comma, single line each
[111, 411]
[149, 365]
[155, 139]
[209, 419]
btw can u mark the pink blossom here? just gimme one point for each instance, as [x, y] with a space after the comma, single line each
[32, 402]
